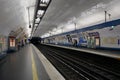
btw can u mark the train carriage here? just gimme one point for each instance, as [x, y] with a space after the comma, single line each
[104, 35]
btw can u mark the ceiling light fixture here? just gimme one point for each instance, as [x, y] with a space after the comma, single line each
[41, 8]
[37, 20]
[36, 25]
[40, 12]
[44, 3]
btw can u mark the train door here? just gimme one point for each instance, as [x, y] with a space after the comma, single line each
[97, 42]
[93, 40]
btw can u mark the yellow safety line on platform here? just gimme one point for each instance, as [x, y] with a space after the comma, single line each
[34, 70]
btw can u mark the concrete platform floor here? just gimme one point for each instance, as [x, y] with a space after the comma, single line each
[22, 65]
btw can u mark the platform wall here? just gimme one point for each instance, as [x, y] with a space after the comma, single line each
[3, 45]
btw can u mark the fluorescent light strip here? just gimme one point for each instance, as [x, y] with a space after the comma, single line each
[45, 1]
[43, 5]
[36, 25]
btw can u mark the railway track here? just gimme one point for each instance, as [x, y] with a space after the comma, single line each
[74, 68]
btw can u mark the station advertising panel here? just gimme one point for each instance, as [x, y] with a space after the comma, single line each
[12, 42]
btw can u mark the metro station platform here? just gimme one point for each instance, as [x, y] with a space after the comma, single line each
[28, 64]
[108, 53]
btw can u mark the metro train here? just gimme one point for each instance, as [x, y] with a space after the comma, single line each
[35, 40]
[105, 35]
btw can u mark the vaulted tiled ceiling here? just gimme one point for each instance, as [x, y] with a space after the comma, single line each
[14, 14]
[61, 11]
